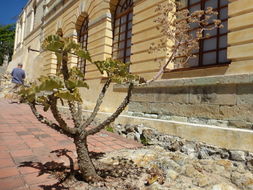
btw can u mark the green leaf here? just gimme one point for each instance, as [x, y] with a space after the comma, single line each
[46, 107]
[69, 44]
[71, 84]
[116, 70]
[44, 101]
[28, 94]
[76, 73]
[66, 95]
[53, 43]
[49, 83]
[83, 54]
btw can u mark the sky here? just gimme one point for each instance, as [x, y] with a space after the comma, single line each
[10, 9]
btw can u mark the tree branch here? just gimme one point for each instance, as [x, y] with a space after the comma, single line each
[98, 104]
[115, 114]
[161, 71]
[49, 123]
[65, 70]
[58, 118]
[74, 114]
[79, 112]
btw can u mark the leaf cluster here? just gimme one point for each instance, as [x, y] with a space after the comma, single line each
[47, 87]
[60, 45]
[116, 70]
[65, 85]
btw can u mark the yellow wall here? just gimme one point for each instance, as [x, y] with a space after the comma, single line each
[240, 38]
[69, 17]
[240, 44]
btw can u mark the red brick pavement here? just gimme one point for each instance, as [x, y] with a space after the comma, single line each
[24, 139]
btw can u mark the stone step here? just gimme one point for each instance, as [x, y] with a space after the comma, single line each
[223, 137]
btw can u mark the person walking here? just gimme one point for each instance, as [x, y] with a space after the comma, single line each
[18, 76]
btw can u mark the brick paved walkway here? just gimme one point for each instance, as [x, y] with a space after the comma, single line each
[24, 139]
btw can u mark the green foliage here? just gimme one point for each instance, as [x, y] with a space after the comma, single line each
[65, 85]
[76, 79]
[72, 84]
[49, 83]
[83, 54]
[109, 128]
[28, 94]
[52, 86]
[7, 35]
[60, 45]
[53, 43]
[75, 73]
[70, 96]
[116, 70]
[144, 140]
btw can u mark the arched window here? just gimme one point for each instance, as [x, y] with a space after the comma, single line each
[122, 32]
[212, 50]
[83, 40]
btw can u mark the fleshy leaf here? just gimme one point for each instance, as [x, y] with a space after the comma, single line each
[66, 95]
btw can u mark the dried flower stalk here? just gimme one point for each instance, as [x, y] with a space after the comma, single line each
[180, 39]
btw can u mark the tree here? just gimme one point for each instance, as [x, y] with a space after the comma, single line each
[49, 91]
[7, 35]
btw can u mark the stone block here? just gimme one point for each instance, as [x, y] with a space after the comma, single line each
[177, 109]
[220, 95]
[144, 95]
[138, 107]
[201, 110]
[234, 79]
[164, 95]
[165, 117]
[239, 112]
[178, 118]
[197, 120]
[220, 123]
[240, 124]
[153, 116]
[171, 95]
[138, 114]
[245, 94]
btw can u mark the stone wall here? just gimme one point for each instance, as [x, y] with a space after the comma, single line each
[225, 101]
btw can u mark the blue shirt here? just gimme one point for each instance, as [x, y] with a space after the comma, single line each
[18, 76]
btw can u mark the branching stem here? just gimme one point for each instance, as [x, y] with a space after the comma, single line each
[115, 114]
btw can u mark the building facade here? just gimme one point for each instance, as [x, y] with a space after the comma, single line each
[211, 100]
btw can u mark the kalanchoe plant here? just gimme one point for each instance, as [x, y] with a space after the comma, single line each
[48, 91]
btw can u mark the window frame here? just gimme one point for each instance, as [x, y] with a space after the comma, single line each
[124, 12]
[218, 49]
[83, 40]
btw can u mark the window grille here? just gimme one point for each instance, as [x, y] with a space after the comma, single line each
[83, 40]
[122, 32]
[212, 50]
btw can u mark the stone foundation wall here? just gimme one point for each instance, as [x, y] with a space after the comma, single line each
[225, 101]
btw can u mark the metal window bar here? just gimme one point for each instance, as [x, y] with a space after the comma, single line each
[83, 40]
[222, 5]
[122, 16]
